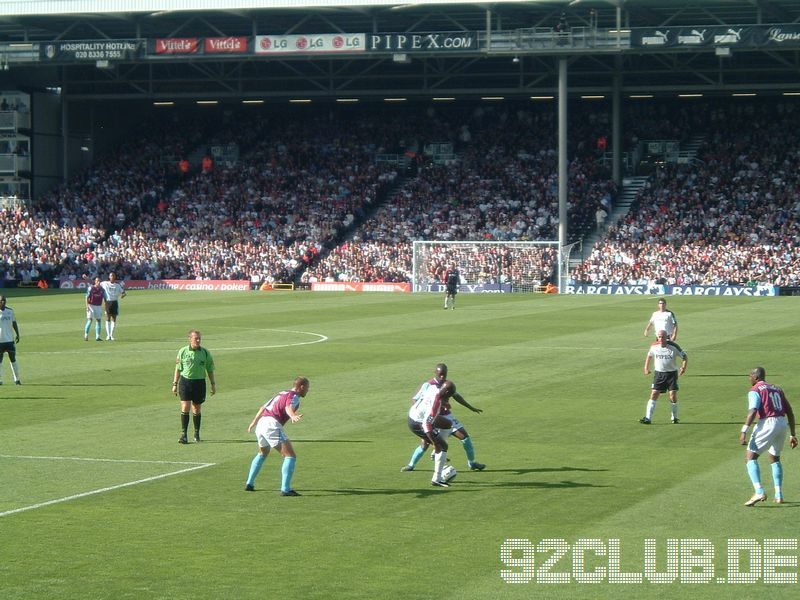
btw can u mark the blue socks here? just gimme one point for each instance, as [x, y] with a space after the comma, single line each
[287, 470]
[755, 475]
[416, 456]
[467, 443]
[777, 478]
[255, 467]
[286, 473]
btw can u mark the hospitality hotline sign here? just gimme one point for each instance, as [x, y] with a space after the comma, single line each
[91, 50]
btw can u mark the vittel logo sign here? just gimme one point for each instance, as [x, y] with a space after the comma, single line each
[226, 44]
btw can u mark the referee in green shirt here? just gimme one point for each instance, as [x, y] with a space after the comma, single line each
[191, 366]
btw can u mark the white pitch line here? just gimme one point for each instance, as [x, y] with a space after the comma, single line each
[119, 460]
[196, 467]
[320, 338]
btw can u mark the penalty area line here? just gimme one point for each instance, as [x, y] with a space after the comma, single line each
[196, 467]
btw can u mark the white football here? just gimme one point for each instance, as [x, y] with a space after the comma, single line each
[449, 473]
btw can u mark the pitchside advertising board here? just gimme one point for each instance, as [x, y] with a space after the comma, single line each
[675, 290]
[223, 285]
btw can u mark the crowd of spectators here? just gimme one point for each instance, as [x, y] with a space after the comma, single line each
[502, 185]
[265, 217]
[63, 230]
[729, 218]
[284, 209]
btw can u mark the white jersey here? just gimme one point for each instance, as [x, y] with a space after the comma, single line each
[665, 358]
[112, 291]
[664, 320]
[424, 402]
[6, 329]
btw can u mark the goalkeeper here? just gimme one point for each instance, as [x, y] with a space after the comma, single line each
[451, 280]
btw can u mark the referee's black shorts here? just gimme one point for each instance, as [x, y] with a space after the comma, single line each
[664, 381]
[192, 390]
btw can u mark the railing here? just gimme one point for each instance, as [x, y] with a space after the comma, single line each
[12, 164]
[392, 159]
[11, 202]
[628, 160]
[547, 38]
[12, 120]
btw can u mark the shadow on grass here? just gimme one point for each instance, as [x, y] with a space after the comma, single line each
[544, 470]
[250, 440]
[773, 505]
[33, 398]
[688, 423]
[334, 441]
[79, 385]
[455, 487]
[742, 375]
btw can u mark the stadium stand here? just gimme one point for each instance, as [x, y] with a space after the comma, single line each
[730, 217]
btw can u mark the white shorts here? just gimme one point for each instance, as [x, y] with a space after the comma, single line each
[94, 312]
[768, 434]
[456, 424]
[269, 432]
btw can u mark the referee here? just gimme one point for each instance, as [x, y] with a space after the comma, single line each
[191, 366]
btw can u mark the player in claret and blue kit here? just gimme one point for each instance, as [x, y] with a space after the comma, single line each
[268, 423]
[775, 414]
[456, 428]
[94, 309]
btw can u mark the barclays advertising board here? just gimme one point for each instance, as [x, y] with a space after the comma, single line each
[674, 290]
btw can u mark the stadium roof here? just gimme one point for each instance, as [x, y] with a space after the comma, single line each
[505, 71]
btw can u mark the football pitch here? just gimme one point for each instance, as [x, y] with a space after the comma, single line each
[578, 500]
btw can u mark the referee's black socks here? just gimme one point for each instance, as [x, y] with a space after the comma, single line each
[196, 419]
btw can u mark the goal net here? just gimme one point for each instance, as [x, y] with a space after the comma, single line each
[487, 266]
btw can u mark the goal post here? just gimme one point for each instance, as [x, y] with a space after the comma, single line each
[486, 266]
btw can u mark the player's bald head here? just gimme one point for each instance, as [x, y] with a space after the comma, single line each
[447, 389]
[758, 374]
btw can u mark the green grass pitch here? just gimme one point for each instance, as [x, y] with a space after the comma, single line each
[561, 384]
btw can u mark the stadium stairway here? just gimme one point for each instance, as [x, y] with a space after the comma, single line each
[361, 217]
[631, 186]
[692, 145]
